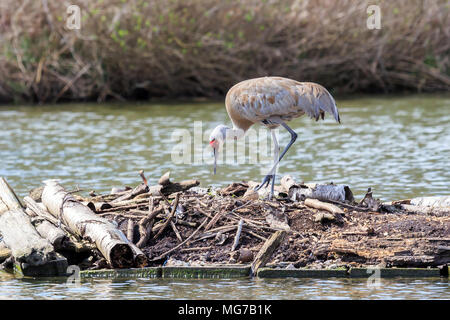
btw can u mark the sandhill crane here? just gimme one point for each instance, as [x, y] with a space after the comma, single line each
[271, 101]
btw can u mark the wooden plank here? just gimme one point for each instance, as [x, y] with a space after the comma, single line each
[267, 250]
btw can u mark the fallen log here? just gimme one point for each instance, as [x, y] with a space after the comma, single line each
[324, 192]
[70, 240]
[436, 202]
[8, 199]
[26, 245]
[28, 249]
[110, 241]
[435, 211]
[5, 252]
[48, 231]
[267, 250]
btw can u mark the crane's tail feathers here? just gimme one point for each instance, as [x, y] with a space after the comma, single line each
[316, 100]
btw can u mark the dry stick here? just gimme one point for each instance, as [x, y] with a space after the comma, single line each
[186, 223]
[349, 206]
[182, 243]
[204, 213]
[172, 213]
[130, 230]
[123, 208]
[141, 173]
[215, 219]
[214, 234]
[146, 224]
[238, 235]
[255, 235]
[174, 228]
[204, 205]
[195, 249]
[119, 214]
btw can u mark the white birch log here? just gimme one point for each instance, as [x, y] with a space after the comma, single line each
[435, 202]
[26, 245]
[110, 241]
[323, 192]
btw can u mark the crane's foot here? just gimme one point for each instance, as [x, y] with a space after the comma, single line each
[265, 182]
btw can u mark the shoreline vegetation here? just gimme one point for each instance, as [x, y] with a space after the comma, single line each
[137, 50]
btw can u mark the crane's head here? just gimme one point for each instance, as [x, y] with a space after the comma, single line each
[216, 140]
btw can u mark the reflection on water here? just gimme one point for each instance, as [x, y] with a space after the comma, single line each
[398, 146]
[397, 288]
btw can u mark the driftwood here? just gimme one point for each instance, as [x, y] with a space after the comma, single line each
[142, 188]
[47, 230]
[110, 241]
[65, 241]
[5, 252]
[435, 211]
[8, 199]
[267, 250]
[28, 248]
[435, 202]
[21, 237]
[172, 187]
[169, 218]
[130, 230]
[238, 235]
[175, 230]
[317, 204]
[146, 225]
[45, 227]
[324, 192]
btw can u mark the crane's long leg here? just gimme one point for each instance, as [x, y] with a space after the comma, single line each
[269, 176]
[276, 154]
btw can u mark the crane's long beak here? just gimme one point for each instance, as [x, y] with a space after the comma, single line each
[216, 154]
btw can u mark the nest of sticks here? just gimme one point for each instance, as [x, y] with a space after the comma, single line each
[182, 224]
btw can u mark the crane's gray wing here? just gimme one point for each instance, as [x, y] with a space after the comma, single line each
[261, 98]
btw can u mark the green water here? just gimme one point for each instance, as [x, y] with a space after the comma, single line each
[242, 289]
[399, 146]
